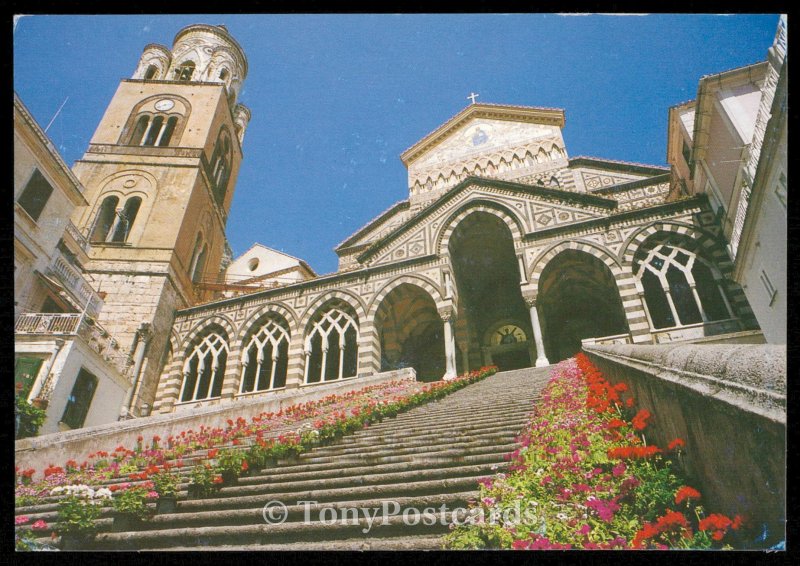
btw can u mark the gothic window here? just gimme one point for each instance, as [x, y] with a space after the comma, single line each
[681, 288]
[197, 264]
[151, 72]
[113, 222]
[265, 360]
[204, 368]
[332, 345]
[221, 166]
[185, 71]
[35, 195]
[153, 130]
[79, 400]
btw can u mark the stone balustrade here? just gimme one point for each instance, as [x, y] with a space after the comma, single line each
[728, 403]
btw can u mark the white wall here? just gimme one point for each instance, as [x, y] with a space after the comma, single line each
[108, 395]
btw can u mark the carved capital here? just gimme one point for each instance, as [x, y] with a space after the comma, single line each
[530, 301]
[447, 315]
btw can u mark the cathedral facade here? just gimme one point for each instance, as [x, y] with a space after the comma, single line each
[506, 251]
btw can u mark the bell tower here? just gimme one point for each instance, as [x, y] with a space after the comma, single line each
[159, 175]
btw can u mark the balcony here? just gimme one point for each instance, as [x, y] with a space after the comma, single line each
[76, 325]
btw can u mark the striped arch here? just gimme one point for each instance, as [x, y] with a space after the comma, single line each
[249, 325]
[203, 325]
[404, 328]
[632, 303]
[580, 245]
[515, 225]
[709, 245]
[697, 240]
[418, 280]
[348, 297]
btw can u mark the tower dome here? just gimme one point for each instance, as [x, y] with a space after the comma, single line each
[200, 53]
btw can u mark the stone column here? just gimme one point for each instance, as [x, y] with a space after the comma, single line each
[144, 334]
[541, 358]
[449, 346]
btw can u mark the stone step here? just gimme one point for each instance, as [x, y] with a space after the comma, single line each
[419, 542]
[259, 534]
[298, 511]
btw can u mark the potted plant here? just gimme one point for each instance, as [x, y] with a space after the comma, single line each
[130, 507]
[229, 465]
[77, 512]
[204, 481]
[166, 483]
[258, 455]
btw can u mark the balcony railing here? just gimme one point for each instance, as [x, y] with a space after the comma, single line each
[75, 283]
[75, 324]
[79, 238]
[694, 331]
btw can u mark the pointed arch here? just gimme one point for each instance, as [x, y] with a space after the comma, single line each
[510, 218]
[204, 365]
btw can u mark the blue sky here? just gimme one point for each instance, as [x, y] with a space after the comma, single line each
[336, 98]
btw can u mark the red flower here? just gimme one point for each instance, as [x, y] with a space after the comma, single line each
[718, 525]
[629, 402]
[245, 467]
[686, 492]
[217, 479]
[213, 453]
[677, 443]
[640, 420]
[616, 423]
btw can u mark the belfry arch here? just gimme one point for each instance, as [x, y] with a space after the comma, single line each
[410, 332]
[578, 298]
[492, 322]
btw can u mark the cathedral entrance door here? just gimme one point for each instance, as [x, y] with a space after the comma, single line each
[490, 301]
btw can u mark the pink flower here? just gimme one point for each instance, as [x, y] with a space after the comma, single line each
[39, 525]
[619, 469]
[21, 520]
[584, 530]
[152, 495]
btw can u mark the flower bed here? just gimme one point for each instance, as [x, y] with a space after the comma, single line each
[585, 477]
[232, 450]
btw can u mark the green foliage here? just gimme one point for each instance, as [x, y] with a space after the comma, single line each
[205, 479]
[166, 483]
[230, 461]
[77, 515]
[30, 418]
[133, 501]
[656, 491]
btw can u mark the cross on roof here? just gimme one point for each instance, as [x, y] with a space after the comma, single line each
[472, 96]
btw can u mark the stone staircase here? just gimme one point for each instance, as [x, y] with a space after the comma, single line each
[430, 457]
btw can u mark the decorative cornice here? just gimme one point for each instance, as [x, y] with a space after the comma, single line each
[629, 166]
[538, 115]
[548, 193]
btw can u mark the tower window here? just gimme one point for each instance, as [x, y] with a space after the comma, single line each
[223, 74]
[221, 166]
[125, 220]
[79, 400]
[35, 195]
[154, 130]
[151, 72]
[198, 259]
[185, 71]
[113, 223]
[153, 133]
